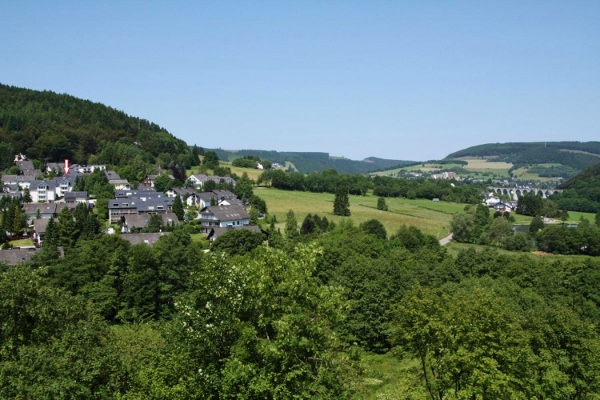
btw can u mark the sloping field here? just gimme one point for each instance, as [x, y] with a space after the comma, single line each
[483, 165]
[431, 217]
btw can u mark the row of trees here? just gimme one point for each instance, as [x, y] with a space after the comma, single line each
[329, 181]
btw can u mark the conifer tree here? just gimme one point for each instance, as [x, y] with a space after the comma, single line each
[51, 236]
[178, 208]
[26, 196]
[341, 204]
[18, 221]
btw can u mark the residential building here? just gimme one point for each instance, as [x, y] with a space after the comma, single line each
[223, 216]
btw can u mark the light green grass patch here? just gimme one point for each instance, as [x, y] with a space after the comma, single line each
[387, 377]
[426, 167]
[478, 164]
[575, 217]
[431, 217]
[252, 172]
[22, 243]
[199, 237]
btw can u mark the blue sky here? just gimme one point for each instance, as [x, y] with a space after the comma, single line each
[392, 79]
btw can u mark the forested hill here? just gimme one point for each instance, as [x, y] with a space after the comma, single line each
[578, 155]
[582, 192]
[47, 126]
[314, 161]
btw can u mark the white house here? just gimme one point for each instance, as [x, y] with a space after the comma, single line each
[42, 191]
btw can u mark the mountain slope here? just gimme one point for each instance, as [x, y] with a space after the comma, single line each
[47, 126]
[582, 192]
[577, 155]
[314, 161]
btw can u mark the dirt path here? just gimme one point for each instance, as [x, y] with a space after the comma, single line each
[446, 240]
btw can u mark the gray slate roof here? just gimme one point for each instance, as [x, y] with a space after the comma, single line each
[13, 257]
[45, 208]
[147, 238]
[227, 213]
[218, 231]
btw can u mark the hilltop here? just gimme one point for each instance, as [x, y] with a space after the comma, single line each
[49, 127]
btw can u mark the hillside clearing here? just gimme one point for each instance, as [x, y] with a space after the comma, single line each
[431, 217]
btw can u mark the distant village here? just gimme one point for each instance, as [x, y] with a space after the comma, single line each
[49, 191]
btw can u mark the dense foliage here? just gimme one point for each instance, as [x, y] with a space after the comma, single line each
[290, 319]
[582, 192]
[329, 181]
[49, 127]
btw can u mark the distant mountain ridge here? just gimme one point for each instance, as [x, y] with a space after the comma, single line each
[314, 161]
[577, 155]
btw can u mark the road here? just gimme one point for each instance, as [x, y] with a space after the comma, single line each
[446, 240]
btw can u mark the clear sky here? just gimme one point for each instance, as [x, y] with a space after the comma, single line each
[410, 80]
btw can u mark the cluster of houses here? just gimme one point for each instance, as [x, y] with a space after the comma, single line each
[219, 210]
[493, 201]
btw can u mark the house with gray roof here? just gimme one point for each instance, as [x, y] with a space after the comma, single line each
[47, 210]
[12, 257]
[110, 174]
[223, 216]
[42, 191]
[76, 197]
[39, 229]
[146, 238]
[215, 232]
[199, 180]
[136, 222]
[139, 203]
[22, 180]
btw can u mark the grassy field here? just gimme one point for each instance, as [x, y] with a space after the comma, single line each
[387, 377]
[476, 166]
[22, 243]
[431, 217]
[252, 173]
[524, 174]
[483, 165]
[425, 167]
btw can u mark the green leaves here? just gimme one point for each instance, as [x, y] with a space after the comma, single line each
[264, 326]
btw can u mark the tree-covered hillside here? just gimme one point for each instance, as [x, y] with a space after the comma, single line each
[577, 155]
[582, 192]
[47, 126]
[314, 161]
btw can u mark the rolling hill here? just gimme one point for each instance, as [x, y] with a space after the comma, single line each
[48, 126]
[314, 161]
[582, 192]
[575, 155]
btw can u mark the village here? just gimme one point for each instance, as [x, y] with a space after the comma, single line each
[44, 194]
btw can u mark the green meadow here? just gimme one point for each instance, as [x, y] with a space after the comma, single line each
[431, 217]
